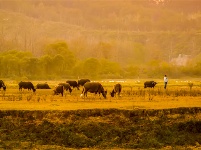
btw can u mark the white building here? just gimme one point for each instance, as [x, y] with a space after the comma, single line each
[181, 60]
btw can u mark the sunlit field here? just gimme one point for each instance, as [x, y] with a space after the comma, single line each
[179, 93]
[139, 119]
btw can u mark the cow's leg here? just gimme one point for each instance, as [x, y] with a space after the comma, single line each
[115, 94]
[85, 94]
[20, 89]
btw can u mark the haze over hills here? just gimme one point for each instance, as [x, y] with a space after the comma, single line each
[129, 32]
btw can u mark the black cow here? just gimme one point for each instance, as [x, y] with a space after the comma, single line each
[117, 89]
[42, 86]
[66, 86]
[81, 82]
[150, 84]
[93, 87]
[26, 85]
[2, 85]
[59, 90]
[73, 83]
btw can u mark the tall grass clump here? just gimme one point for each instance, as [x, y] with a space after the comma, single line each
[150, 93]
[190, 85]
[29, 97]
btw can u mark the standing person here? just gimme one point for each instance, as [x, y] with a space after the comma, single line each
[165, 81]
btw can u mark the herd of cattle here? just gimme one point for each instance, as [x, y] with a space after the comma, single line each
[88, 86]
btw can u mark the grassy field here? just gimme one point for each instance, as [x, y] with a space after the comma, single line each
[139, 119]
[180, 93]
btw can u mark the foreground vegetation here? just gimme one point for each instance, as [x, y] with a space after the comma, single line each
[101, 128]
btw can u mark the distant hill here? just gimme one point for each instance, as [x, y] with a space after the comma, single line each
[127, 30]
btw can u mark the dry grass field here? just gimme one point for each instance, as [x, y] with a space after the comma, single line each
[138, 119]
[178, 94]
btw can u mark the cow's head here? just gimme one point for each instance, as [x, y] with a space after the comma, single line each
[112, 93]
[154, 83]
[55, 92]
[104, 93]
[4, 87]
[70, 90]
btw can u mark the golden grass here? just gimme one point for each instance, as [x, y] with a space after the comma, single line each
[90, 104]
[39, 101]
[133, 96]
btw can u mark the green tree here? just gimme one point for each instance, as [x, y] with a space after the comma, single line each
[61, 48]
[32, 65]
[131, 71]
[58, 64]
[46, 64]
[78, 69]
[12, 62]
[56, 48]
[91, 67]
[109, 68]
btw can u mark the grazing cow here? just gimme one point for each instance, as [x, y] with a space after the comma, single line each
[26, 85]
[73, 83]
[2, 85]
[81, 82]
[42, 86]
[66, 86]
[117, 89]
[150, 84]
[93, 87]
[59, 90]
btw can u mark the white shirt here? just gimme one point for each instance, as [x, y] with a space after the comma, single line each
[165, 79]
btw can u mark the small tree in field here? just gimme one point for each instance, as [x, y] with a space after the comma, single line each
[190, 85]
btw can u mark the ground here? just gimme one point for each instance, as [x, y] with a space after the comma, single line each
[118, 103]
[138, 119]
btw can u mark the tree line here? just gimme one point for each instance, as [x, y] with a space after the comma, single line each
[58, 62]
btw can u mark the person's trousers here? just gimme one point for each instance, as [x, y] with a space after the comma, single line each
[165, 85]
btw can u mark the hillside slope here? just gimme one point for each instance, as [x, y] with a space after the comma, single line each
[127, 32]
